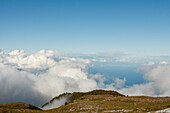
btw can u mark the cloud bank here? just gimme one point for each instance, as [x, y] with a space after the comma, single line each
[37, 78]
[158, 81]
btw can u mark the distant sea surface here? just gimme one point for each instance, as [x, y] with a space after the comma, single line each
[118, 70]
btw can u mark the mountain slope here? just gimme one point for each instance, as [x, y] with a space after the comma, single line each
[17, 107]
[110, 103]
[99, 101]
[66, 98]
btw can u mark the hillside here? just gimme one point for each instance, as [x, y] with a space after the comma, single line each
[95, 101]
[17, 107]
[66, 98]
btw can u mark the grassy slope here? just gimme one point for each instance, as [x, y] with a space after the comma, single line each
[99, 101]
[103, 103]
[17, 107]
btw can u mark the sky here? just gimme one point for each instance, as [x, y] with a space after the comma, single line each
[82, 45]
[134, 27]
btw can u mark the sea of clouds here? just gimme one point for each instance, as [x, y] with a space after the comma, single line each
[37, 78]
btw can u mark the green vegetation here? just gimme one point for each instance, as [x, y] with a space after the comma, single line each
[96, 101]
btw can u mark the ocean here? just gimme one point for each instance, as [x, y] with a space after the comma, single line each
[111, 70]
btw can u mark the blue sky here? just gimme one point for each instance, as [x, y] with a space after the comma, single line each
[134, 27]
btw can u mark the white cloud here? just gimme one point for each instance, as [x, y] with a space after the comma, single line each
[163, 62]
[150, 63]
[158, 78]
[119, 83]
[17, 86]
[36, 78]
[121, 60]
